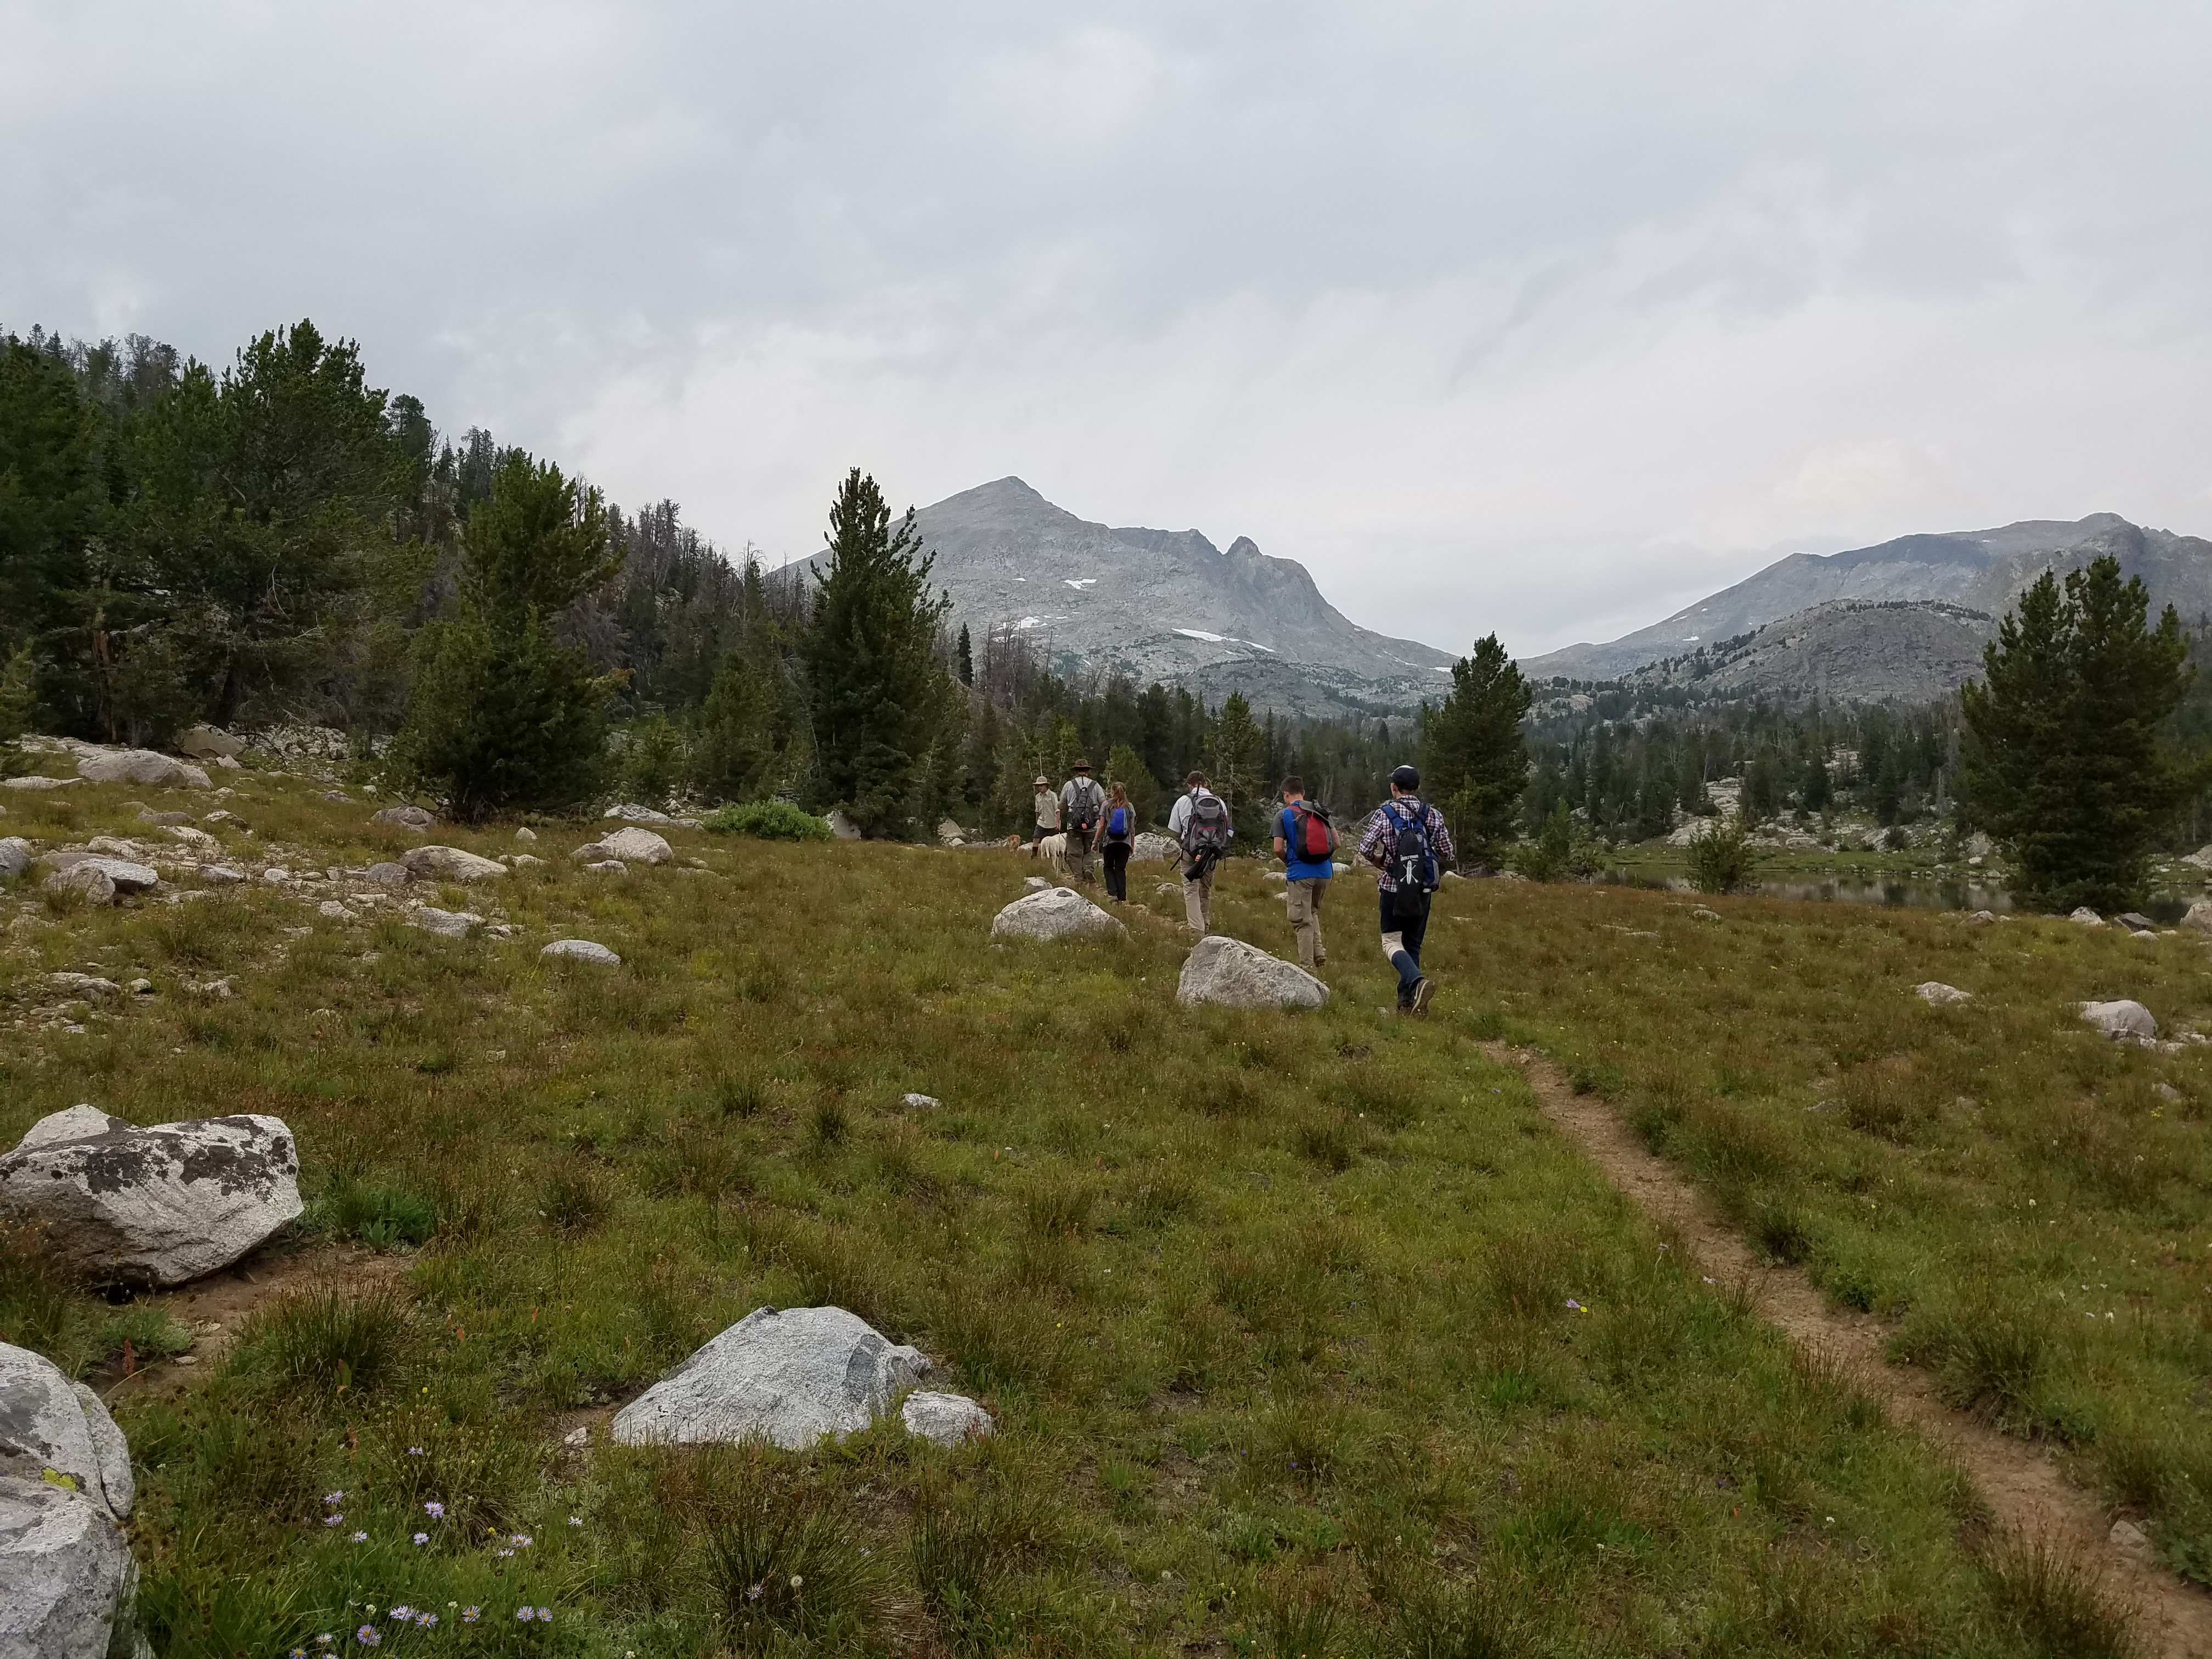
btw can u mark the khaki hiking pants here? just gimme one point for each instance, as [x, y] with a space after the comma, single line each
[1303, 904]
[1197, 899]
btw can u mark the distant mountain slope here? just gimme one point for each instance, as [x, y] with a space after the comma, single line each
[1980, 571]
[1165, 605]
[1844, 651]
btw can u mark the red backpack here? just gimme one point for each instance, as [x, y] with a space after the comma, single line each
[1313, 837]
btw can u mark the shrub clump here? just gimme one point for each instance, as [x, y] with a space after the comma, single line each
[770, 820]
[1722, 859]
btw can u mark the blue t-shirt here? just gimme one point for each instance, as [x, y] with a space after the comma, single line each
[1300, 867]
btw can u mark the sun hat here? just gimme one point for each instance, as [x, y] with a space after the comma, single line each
[1044, 782]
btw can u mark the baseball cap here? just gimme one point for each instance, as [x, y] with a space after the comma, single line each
[1406, 777]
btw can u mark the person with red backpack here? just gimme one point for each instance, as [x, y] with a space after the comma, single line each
[1411, 848]
[1306, 842]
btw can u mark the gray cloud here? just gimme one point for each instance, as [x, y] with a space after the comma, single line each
[1571, 311]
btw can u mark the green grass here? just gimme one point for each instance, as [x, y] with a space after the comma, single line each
[1272, 1311]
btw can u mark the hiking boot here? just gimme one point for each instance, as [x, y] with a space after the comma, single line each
[1423, 990]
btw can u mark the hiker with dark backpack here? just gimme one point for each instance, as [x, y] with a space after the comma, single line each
[1117, 838]
[1202, 827]
[1407, 841]
[1083, 807]
[1306, 842]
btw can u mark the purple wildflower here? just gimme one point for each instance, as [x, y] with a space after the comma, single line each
[426, 1619]
[361, 1538]
[421, 1537]
[334, 1520]
[334, 1497]
[753, 1594]
[544, 1615]
[402, 1612]
[367, 1636]
[526, 1614]
[435, 1511]
[469, 1615]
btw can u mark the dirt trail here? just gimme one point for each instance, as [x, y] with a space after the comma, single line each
[2030, 1497]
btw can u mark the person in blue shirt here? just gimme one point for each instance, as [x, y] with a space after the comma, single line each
[1309, 871]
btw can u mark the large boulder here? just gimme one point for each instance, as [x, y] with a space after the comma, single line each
[842, 827]
[15, 857]
[2122, 1021]
[1236, 974]
[437, 863]
[635, 846]
[786, 1376]
[66, 1575]
[126, 874]
[2199, 919]
[1055, 913]
[156, 1205]
[1150, 844]
[138, 766]
[416, 818]
[85, 881]
[208, 743]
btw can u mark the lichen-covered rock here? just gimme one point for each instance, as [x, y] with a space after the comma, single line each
[2123, 1021]
[388, 874]
[96, 765]
[945, 1420]
[86, 881]
[156, 1205]
[2199, 919]
[1230, 972]
[436, 863]
[123, 870]
[415, 818]
[635, 846]
[1150, 844]
[582, 949]
[66, 1575]
[1055, 913]
[788, 1377]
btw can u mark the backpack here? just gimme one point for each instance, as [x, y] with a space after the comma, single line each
[1412, 861]
[1208, 832]
[1083, 812]
[1117, 824]
[1313, 837]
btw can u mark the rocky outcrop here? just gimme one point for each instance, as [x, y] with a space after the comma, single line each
[96, 765]
[437, 863]
[156, 1205]
[66, 1575]
[582, 949]
[1234, 974]
[788, 1377]
[1055, 913]
[945, 1420]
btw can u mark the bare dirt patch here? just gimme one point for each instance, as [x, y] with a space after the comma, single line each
[2030, 1496]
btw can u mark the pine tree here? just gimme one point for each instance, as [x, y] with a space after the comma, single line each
[1473, 762]
[967, 659]
[1237, 766]
[2063, 761]
[1813, 789]
[870, 648]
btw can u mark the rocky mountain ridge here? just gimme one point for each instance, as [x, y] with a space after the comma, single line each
[1166, 605]
[1974, 571]
[1842, 651]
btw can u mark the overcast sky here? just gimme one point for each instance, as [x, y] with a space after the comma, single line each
[1544, 317]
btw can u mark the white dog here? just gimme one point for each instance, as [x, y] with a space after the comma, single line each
[1052, 849]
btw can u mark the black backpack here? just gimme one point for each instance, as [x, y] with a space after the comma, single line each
[1412, 861]
[1208, 833]
[1083, 822]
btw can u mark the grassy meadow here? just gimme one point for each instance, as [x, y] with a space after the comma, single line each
[1305, 1335]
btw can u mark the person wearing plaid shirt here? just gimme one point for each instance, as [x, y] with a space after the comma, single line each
[1404, 925]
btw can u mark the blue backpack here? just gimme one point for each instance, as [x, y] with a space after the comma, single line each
[1117, 824]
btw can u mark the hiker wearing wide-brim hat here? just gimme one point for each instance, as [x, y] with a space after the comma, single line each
[1082, 810]
[1047, 808]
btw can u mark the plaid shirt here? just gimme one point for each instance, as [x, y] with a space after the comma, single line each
[1381, 836]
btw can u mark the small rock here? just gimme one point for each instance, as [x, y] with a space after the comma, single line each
[525, 833]
[28, 783]
[389, 874]
[2168, 1093]
[633, 846]
[1700, 913]
[147, 815]
[438, 863]
[143, 988]
[1036, 884]
[275, 875]
[2132, 1540]
[608, 867]
[632, 813]
[199, 840]
[2123, 1021]
[945, 1420]
[1054, 913]
[405, 818]
[578, 1438]
[1234, 974]
[222, 875]
[331, 910]
[582, 949]
[914, 1103]
[1276, 875]
[138, 766]
[1936, 995]
[788, 1377]
[2086, 917]
[208, 743]
[446, 924]
[85, 985]
[528, 861]
[86, 881]
[154, 1206]
[15, 857]
[1982, 917]
[2135, 922]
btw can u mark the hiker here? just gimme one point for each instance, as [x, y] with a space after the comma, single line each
[1305, 841]
[1117, 840]
[1083, 804]
[1407, 841]
[1048, 809]
[1201, 825]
